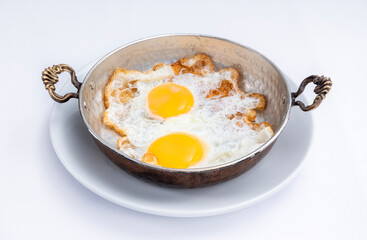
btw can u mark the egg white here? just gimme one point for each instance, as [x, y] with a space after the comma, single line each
[208, 120]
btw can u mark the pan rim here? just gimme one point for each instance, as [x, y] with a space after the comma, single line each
[191, 170]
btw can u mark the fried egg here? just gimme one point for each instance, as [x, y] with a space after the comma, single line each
[184, 115]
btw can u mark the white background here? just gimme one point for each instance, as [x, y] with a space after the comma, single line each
[39, 199]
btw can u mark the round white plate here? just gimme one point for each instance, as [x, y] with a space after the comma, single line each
[81, 157]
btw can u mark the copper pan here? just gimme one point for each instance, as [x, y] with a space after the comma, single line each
[259, 74]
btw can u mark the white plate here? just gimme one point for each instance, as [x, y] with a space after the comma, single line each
[81, 157]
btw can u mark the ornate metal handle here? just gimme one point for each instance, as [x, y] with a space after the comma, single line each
[50, 78]
[323, 86]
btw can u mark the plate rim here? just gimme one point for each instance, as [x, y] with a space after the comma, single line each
[160, 211]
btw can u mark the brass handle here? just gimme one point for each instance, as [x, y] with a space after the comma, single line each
[50, 78]
[323, 86]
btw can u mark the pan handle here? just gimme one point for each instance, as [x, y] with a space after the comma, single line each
[323, 86]
[50, 78]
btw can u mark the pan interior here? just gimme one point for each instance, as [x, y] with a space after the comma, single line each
[257, 74]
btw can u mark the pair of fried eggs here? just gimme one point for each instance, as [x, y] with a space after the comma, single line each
[168, 119]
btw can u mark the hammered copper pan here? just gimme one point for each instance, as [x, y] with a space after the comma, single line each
[258, 75]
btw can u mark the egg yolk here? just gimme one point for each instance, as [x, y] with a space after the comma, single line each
[169, 100]
[177, 150]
